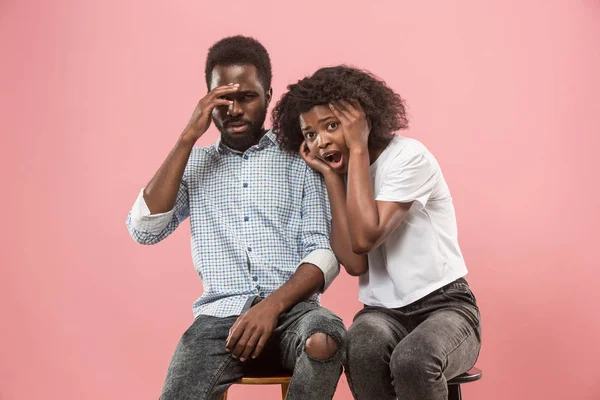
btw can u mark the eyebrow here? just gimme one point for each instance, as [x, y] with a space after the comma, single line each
[319, 121]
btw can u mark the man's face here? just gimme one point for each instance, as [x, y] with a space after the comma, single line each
[241, 123]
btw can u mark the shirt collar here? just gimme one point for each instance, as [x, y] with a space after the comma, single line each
[268, 139]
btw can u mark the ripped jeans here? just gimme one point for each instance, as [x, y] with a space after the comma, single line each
[201, 369]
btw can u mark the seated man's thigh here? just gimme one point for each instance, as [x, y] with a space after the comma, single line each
[200, 367]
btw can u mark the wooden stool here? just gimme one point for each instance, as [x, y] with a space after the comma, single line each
[471, 375]
[284, 381]
[454, 392]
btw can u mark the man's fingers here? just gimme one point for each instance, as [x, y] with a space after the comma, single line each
[234, 335]
[241, 344]
[249, 347]
[220, 102]
[260, 345]
[224, 90]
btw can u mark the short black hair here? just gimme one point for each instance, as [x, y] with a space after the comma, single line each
[240, 50]
[384, 108]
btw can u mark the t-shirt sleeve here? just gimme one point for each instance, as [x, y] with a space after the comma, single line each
[409, 179]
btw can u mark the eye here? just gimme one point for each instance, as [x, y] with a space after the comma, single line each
[309, 135]
[248, 96]
[332, 126]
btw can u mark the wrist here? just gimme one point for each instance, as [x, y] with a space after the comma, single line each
[360, 150]
[188, 138]
[275, 306]
[330, 175]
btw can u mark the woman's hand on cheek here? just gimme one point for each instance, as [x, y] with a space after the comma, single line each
[315, 163]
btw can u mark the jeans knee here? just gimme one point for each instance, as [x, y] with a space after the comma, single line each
[321, 346]
[413, 364]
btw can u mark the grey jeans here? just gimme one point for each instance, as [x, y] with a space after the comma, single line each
[201, 369]
[411, 352]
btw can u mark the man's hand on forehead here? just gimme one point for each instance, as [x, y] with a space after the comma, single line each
[201, 117]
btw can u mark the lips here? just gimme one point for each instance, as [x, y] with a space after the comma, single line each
[237, 126]
[333, 158]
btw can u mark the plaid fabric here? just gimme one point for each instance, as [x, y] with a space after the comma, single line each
[254, 216]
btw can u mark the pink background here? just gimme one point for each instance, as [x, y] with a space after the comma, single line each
[94, 94]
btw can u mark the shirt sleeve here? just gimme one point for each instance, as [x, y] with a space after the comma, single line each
[143, 220]
[326, 261]
[316, 227]
[410, 179]
[146, 228]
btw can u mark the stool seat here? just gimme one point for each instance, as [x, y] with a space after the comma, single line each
[264, 380]
[454, 392]
[472, 375]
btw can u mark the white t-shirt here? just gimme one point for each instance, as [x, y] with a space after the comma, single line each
[422, 255]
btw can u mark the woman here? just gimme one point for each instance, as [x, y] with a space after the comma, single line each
[394, 226]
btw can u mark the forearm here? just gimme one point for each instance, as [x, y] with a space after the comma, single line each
[355, 264]
[306, 281]
[363, 216]
[161, 192]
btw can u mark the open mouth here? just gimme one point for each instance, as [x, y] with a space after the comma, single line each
[333, 158]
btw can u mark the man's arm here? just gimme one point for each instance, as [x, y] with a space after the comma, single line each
[162, 205]
[161, 192]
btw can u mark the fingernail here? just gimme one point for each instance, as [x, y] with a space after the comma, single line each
[242, 359]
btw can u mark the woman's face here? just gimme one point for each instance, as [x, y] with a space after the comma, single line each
[324, 137]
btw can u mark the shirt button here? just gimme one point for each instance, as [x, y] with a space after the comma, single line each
[245, 157]
[262, 294]
[246, 218]
[257, 287]
[249, 248]
[255, 278]
[245, 185]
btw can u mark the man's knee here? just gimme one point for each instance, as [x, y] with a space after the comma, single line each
[321, 346]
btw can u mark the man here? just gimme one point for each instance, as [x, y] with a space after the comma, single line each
[260, 241]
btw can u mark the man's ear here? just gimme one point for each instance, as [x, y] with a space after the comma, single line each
[269, 96]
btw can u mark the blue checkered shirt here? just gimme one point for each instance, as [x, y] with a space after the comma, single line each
[254, 216]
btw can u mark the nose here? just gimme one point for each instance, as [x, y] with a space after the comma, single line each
[235, 109]
[323, 140]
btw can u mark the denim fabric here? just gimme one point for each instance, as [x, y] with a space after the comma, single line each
[411, 352]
